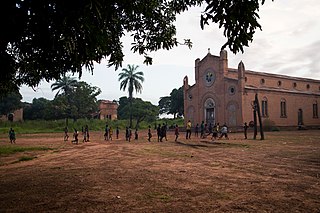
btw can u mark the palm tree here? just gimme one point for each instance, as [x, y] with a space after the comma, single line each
[65, 86]
[132, 78]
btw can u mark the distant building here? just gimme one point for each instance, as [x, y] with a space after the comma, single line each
[17, 115]
[225, 95]
[108, 110]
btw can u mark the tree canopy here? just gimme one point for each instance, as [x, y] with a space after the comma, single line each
[64, 85]
[10, 103]
[80, 102]
[132, 78]
[141, 110]
[172, 104]
[43, 40]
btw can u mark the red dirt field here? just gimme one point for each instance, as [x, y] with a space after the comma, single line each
[279, 174]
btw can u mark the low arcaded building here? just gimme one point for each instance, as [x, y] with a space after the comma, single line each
[108, 110]
[225, 95]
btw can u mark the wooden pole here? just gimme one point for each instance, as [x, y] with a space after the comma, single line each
[255, 128]
[259, 116]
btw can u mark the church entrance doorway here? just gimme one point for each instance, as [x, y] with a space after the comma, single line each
[210, 116]
[209, 111]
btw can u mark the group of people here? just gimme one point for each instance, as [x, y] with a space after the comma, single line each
[85, 134]
[214, 130]
[205, 130]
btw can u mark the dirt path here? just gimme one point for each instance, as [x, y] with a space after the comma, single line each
[280, 174]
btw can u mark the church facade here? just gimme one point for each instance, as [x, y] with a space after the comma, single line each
[225, 95]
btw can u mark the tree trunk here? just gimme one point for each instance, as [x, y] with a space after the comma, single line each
[130, 124]
[255, 128]
[259, 117]
[139, 120]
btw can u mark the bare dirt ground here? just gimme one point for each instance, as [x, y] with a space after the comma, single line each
[279, 174]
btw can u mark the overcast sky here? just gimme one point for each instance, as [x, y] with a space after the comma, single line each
[288, 44]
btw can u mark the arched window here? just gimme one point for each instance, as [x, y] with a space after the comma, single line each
[264, 107]
[283, 108]
[209, 103]
[294, 84]
[315, 109]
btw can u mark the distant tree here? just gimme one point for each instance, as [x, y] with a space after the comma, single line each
[141, 110]
[123, 108]
[43, 40]
[177, 104]
[131, 78]
[65, 86]
[84, 100]
[40, 109]
[172, 104]
[82, 103]
[164, 105]
[10, 103]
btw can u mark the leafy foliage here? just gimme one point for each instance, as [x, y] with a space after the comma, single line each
[238, 18]
[84, 100]
[172, 104]
[10, 103]
[64, 85]
[46, 39]
[80, 102]
[164, 105]
[40, 108]
[141, 110]
[131, 78]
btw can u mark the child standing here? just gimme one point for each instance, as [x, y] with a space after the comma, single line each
[130, 133]
[149, 134]
[75, 136]
[12, 136]
[245, 130]
[127, 133]
[86, 131]
[110, 133]
[136, 134]
[66, 136]
[176, 132]
[106, 133]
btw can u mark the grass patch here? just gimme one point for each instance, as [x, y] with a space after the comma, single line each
[49, 126]
[26, 158]
[7, 150]
[158, 196]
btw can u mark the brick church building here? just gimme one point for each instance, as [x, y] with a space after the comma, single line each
[225, 95]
